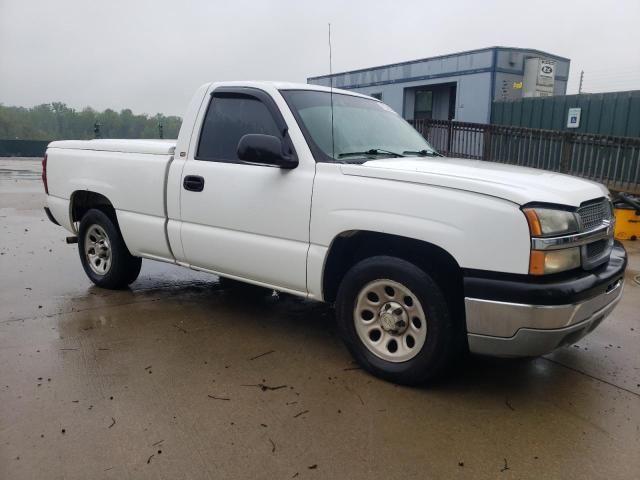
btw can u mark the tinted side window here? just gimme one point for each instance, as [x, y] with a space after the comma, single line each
[229, 118]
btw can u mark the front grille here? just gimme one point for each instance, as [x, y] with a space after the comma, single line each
[591, 216]
[594, 214]
[595, 249]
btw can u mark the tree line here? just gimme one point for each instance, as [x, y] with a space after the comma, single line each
[56, 120]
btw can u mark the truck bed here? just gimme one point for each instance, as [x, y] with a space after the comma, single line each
[131, 174]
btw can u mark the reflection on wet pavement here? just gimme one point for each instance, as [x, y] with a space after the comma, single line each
[18, 174]
[175, 378]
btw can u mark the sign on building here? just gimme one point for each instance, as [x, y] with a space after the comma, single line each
[539, 77]
[546, 72]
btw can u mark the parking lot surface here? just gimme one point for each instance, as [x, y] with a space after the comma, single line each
[176, 378]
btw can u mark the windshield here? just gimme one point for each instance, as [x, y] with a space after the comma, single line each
[363, 128]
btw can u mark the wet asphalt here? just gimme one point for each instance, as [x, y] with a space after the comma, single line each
[176, 378]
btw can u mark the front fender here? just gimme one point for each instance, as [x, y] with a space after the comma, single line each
[479, 231]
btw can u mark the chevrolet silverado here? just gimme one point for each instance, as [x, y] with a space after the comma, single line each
[332, 196]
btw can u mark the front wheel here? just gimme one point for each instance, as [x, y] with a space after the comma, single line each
[395, 320]
[103, 253]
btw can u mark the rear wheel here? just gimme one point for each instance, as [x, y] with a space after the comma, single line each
[395, 320]
[103, 253]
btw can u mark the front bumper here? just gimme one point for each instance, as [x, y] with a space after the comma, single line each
[513, 316]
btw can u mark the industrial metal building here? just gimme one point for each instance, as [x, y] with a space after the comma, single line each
[460, 86]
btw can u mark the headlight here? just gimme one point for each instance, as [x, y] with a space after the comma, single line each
[546, 221]
[553, 261]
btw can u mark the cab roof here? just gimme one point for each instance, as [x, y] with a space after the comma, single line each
[266, 85]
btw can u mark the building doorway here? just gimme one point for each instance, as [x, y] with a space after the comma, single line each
[431, 102]
[423, 105]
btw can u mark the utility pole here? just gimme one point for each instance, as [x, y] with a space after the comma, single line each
[581, 79]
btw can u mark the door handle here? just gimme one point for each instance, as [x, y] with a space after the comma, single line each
[193, 183]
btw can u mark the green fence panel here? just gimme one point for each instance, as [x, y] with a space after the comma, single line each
[613, 113]
[593, 115]
[633, 123]
[23, 148]
[559, 109]
[621, 118]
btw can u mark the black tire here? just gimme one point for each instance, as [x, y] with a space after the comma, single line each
[124, 267]
[434, 357]
[243, 289]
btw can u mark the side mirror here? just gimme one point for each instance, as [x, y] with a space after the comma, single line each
[258, 148]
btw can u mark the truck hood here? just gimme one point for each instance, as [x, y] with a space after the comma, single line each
[520, 185]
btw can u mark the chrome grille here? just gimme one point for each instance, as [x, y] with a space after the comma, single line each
[596, 249]
[594, 214]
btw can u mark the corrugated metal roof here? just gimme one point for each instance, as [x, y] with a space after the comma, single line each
[440, 57]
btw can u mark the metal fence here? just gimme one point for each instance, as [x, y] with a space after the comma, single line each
[611, 113]
[614, 161]
[23, 148]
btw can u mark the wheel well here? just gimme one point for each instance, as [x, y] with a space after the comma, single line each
[83, 200]
[351, 247]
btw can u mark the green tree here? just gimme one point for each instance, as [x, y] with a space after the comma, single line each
[56, 120]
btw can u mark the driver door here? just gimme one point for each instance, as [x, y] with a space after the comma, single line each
[247, 221]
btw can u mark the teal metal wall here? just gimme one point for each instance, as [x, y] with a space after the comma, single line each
[23, 148]
[613, 113]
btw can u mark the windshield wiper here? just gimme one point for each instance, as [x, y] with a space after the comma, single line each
[373, 151]
[422, 153]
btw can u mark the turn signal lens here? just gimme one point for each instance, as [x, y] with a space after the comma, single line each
[553, 261]
[536, 262]
[534, 222]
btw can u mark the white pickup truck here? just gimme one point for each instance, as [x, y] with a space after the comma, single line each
[332, 196]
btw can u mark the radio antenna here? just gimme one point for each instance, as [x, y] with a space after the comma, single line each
[333, 144]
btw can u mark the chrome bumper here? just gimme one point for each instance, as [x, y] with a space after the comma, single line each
[514, 330]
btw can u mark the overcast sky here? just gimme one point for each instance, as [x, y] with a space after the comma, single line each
[151, 55]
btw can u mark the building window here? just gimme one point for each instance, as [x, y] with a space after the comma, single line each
[377, 95]
[423, 105]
